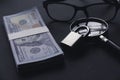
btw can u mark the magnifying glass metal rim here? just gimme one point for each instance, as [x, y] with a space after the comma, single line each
[90, 19]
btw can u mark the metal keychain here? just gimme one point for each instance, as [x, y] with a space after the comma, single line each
[76, 33]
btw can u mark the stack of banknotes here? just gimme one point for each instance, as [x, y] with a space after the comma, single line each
[29, 37]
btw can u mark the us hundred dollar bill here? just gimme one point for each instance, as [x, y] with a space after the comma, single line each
[28, 47]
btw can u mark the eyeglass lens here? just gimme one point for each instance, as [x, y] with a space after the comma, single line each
[61, 11]
[64, 12]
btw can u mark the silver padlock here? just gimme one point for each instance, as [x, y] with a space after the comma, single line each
[75, 34]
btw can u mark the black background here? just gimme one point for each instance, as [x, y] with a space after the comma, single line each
[92, 60]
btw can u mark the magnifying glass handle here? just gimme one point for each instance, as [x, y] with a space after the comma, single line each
[109, 42]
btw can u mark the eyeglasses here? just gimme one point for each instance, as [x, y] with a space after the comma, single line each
[60, 11]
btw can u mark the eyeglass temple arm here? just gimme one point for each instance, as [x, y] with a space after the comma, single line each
[115, 14]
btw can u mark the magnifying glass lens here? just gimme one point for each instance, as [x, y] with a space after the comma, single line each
[96, 28]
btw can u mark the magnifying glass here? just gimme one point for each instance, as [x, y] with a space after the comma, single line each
[97, 27]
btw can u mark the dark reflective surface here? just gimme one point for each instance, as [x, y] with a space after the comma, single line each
[93, 60]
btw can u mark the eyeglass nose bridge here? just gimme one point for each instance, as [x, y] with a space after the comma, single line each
[80, 8]
[83, 9]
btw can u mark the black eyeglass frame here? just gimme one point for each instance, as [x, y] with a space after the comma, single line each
[78, 8]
